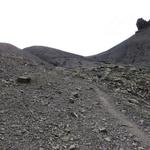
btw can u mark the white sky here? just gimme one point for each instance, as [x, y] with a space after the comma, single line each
[84, 27]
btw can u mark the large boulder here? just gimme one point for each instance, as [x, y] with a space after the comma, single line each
[141, 24]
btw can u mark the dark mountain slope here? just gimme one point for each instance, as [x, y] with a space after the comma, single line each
[58, 57]
[135, 50]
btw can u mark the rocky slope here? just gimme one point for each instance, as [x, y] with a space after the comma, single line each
[16, 61]
[103, 107]
[135, 50]
[57, 57]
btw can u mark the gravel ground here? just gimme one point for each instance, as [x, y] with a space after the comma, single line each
[67, 109]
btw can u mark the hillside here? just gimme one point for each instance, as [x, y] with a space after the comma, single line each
[58, 57]
[15, 61]
[135, 50]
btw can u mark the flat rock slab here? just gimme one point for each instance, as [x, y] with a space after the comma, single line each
[24, 79]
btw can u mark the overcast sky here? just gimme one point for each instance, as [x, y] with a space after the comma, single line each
[84, 27]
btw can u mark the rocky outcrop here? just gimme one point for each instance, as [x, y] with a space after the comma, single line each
[141, 24]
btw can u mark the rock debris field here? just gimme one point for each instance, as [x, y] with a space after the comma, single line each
[46, 107]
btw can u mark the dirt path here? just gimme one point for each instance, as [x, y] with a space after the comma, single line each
[131, 126]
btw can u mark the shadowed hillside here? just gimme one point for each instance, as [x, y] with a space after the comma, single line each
[57, 57]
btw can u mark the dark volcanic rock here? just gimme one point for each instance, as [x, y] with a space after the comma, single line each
[141, 24]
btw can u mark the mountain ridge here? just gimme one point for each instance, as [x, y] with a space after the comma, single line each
[58, 57]
[133, 51]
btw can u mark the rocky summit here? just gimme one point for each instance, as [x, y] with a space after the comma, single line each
[54, 100]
